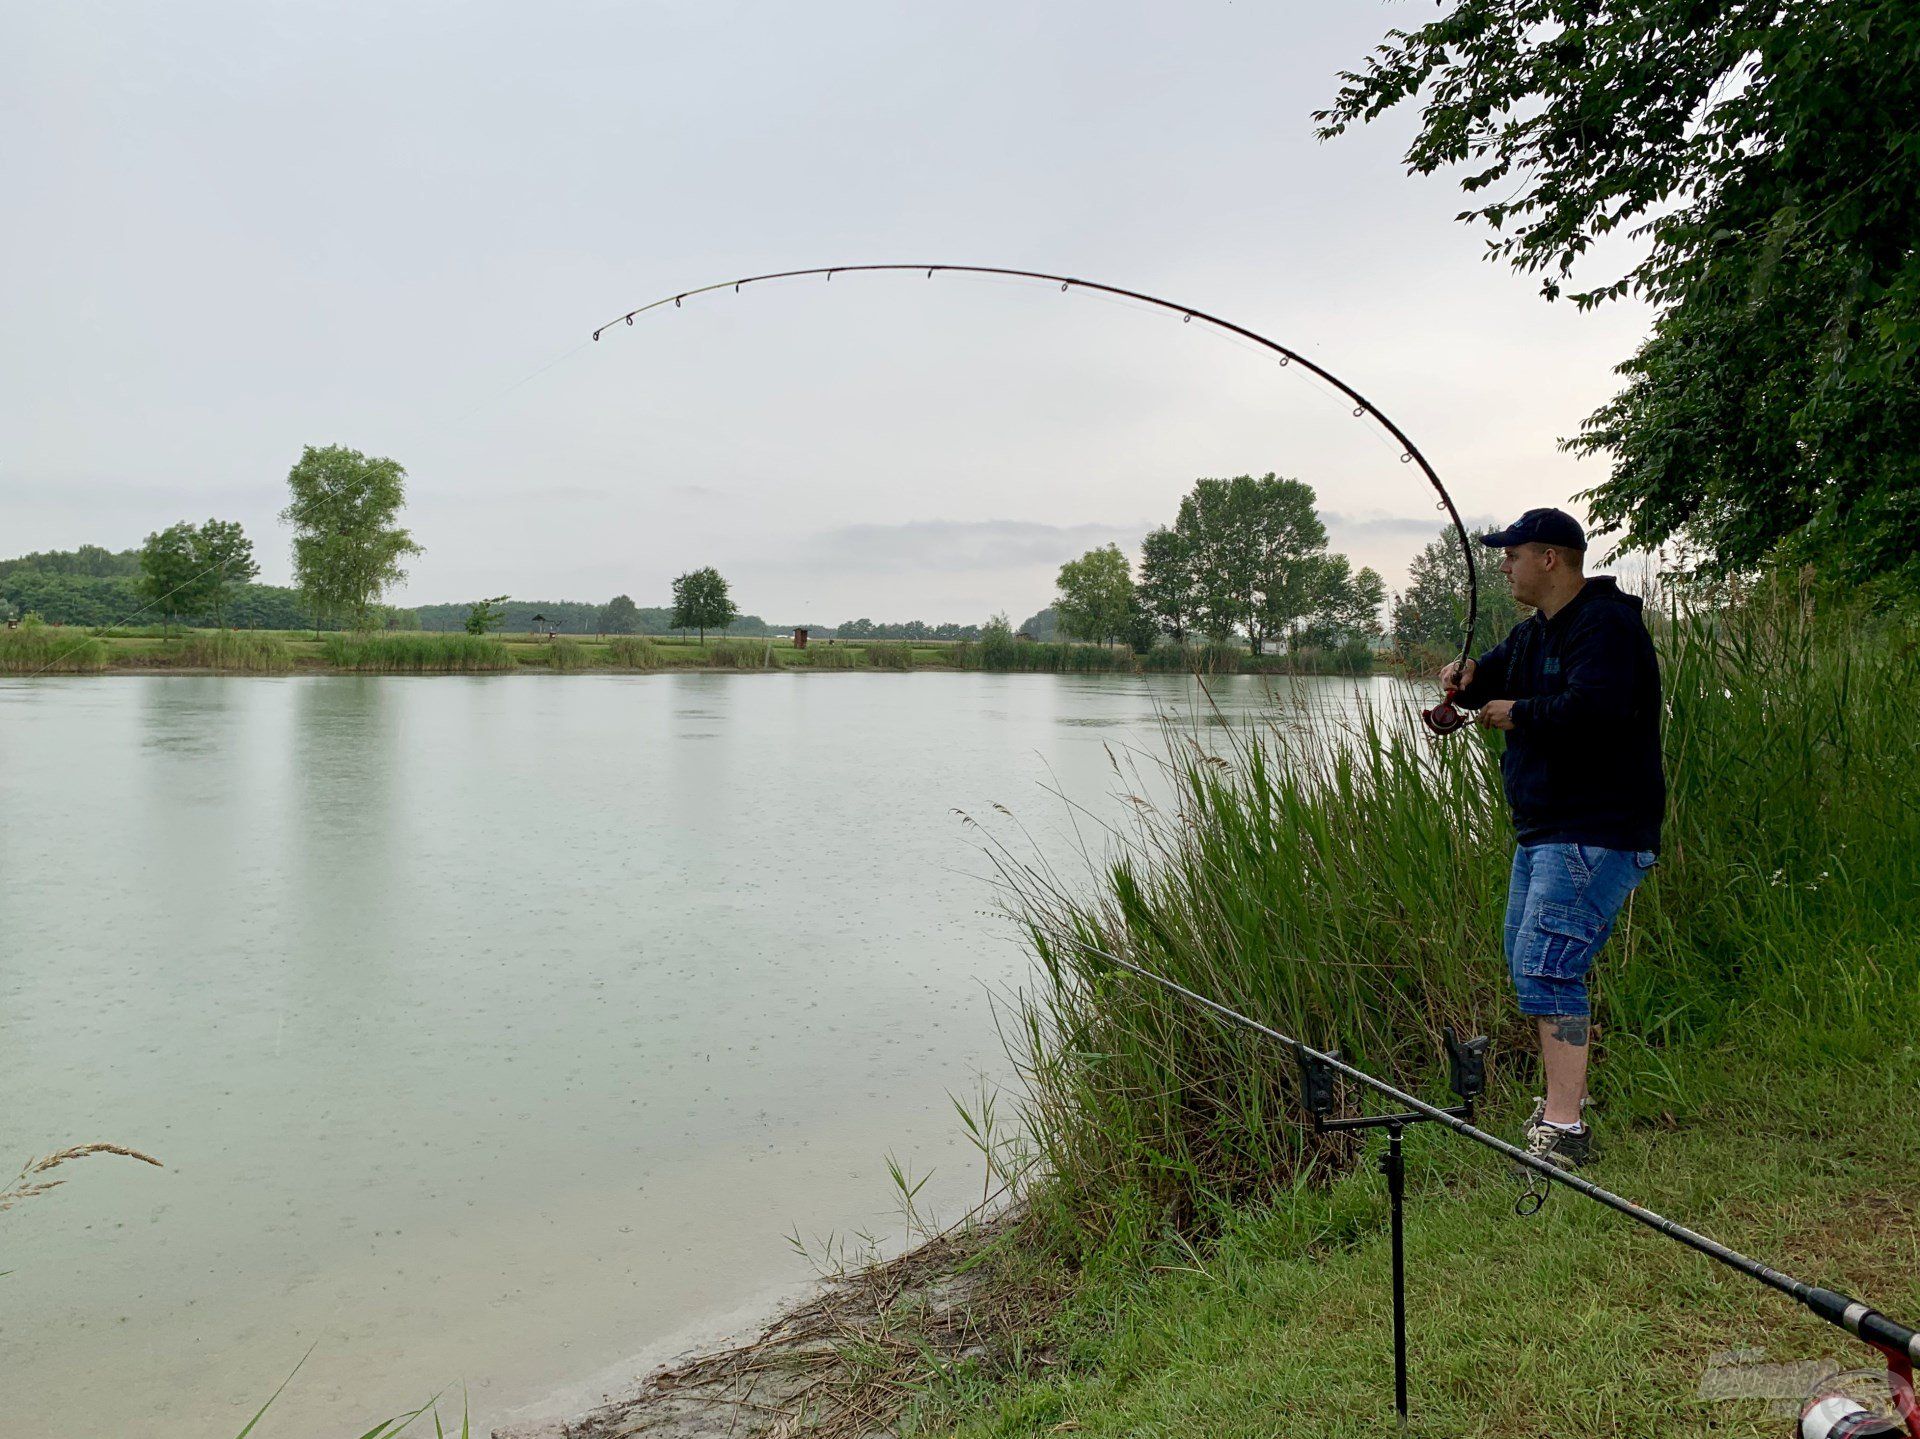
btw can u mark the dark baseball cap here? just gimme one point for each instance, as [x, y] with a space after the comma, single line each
[1540, 527]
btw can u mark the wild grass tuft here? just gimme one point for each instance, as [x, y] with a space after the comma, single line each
[417, 653]
[1204, 659]
[889, 656]
[827, 657]
[1002, 652]
[634, 652]
[50, 649]
[567, 654]
[741, 654]
[1348, 889]
[236, 651]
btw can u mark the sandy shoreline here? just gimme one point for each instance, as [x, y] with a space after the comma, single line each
[759, 1371]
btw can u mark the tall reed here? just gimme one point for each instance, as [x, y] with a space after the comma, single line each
[740, 654]
[567, 654]
[1349, 889]
[827, 657]
[1002, 653]
[634, 652]
[417, 653]
[889, 656]
[50, 649]
[236, 651]
[1203, 659]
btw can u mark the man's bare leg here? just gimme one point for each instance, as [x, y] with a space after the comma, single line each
[1563, 1054]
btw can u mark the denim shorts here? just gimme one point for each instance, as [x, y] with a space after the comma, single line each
[1561, 902]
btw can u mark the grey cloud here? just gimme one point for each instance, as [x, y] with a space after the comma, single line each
[952, 545]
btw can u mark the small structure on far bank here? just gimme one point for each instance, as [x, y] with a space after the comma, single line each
[799, 637]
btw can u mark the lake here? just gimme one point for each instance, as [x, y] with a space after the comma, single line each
[497, 1029]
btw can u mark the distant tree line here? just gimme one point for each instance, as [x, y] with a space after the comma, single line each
[93, 586]
[865, 629]
[578, 617]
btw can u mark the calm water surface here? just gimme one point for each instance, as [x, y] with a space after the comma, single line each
[493, 1029]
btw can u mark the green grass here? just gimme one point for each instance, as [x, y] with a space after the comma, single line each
[741, 655]
[890, 656]
[1755, 1068]
[826, 657]
[235, 651]
[633, 652]
[48, 649]
[1002, 653]
[416, 653]
[566, 654]
[1207, 659]
[1573, 1322]
[1352, 893]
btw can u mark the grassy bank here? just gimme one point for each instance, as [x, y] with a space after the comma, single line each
[1755, 1073]
[237, 652]
[415, 654]
[47, 649]
[1001, 652]
[1353, 893]
[1572, 1322]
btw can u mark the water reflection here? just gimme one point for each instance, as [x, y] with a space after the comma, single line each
[497, 1027]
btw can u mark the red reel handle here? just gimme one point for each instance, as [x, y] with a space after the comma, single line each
[1443, 719]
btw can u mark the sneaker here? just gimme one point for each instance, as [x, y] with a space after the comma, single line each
[1534, 1120]
[1538, 1117]
[1568, 1148]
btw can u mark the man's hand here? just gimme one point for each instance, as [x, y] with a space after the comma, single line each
[1495, 714]
[1458, 675]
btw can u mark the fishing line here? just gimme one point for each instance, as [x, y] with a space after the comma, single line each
[1443, 718]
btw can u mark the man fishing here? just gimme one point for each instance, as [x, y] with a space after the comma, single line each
[1575, 687]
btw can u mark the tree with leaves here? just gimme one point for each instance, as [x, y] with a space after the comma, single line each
[1166, 590]
[1043, 625]
[1768, 153]
[484, 616]
[1254, 548]
[1096, 595]
[225, 557]
[172, 579]
[1430, 615]
[620, 617]
[701, 602]
[1346, 605]
[347, 548]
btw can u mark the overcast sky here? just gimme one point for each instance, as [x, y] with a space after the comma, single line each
[234, 230]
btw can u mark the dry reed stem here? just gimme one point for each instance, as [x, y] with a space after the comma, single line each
[21, 1188]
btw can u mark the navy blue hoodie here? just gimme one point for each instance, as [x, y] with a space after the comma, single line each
[1582, 761]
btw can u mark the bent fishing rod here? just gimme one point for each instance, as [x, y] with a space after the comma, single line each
[1899, 1344]
[1443, 718]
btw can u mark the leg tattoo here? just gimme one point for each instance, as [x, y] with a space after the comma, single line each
[1570, 1029]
